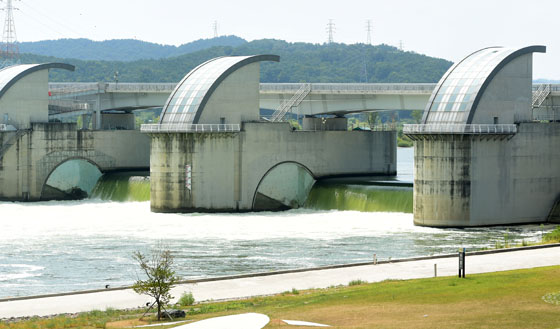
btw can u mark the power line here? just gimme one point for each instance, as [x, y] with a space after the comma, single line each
[330, 30]
[215, 28]
[39, 15]
[9, 47]
[368, 29]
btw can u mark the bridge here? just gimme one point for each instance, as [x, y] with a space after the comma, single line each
[93, 100]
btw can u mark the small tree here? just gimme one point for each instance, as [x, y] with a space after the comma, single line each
[160, 276]
[372, 118]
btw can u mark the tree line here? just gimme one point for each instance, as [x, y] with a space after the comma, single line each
[299, 62]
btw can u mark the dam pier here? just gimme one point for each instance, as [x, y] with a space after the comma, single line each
[485, 150]
[211, 152]
[482, 157]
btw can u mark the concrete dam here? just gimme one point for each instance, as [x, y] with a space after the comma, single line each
[211, 152]
[484, 153]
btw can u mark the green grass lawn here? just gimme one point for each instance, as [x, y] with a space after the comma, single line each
[512, 299]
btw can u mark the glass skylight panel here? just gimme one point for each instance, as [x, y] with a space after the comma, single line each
[189, 95]
[10, 72]
[458, 91]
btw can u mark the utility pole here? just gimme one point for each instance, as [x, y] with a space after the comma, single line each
[330, 31]
[368, 29]
[9, 48]
[215, 28]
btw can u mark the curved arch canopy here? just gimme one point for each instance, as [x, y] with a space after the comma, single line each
[187, 101]
[11, 74]
[457, 94]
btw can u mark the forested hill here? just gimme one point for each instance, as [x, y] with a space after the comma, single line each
[121, 50]
[299, 62]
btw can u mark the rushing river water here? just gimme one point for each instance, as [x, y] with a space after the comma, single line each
[49, 247]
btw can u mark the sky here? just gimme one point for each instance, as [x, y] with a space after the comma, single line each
[445, 29]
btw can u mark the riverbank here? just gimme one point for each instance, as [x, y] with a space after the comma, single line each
[274, 283]
[528, 298]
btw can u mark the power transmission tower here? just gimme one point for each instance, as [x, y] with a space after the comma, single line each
[400, 45]
[368, 29]
[215, 28]
[330, 31]
[9, 48]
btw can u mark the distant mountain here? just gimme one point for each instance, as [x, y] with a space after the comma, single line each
[545, 81]
[299, 62]
[120, 50]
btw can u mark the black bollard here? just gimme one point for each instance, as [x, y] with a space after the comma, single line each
[462, 263]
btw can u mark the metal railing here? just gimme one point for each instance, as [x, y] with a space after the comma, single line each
[285, 106]
[540, 95]
[140, 87]
[552, 86]
[473, 129]
[189, 128]
[67, 105]
[383, 127]
[64, 88]
[348, 88]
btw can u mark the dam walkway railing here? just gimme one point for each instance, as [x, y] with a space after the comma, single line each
[189, 128]
[466, 129]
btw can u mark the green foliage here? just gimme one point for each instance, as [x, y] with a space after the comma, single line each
[186, 299]
[404, 142]
[372, 119]
[552, 237]
[160, 276]
[417, 116]
[294, 291]
[357, 282]
[295, 124]
[120, 49]
[300, 62]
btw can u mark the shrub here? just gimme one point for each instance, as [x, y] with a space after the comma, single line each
[553, 236]
[186, 299]
[356, 282]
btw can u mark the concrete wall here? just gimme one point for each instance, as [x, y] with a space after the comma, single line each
[316, 103]
[314, 123]
[236, 99]
[114, 121]
[228, 167]
[508, 96]
[27, 164]
[26, 101]
[487, 180]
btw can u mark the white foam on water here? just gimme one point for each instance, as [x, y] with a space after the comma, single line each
[10, 272]
[134, 220]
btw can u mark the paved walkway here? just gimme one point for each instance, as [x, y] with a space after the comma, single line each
[272, 284]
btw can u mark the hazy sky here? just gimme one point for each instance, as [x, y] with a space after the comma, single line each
[446, 29]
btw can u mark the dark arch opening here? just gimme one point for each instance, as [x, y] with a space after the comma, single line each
[72, 179]
[284, 186]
